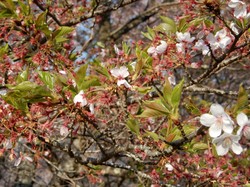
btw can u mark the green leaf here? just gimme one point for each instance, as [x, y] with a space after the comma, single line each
[4, 50]
[125, 48]
[143, 90]
[62, 31]
[47, 78]
[200, 146]
[150, 34]
[242, 100]
[157, 105]
[81, 73]
[176, 94]
[167, 91]
[87, 83]
[167, 27]
[23, 76]
[133, 125]
[25, 8]
[23, 86]
[26, 92]
[7, 9]
[183, 25]
[142, 59]
[41, 19]
[168, 21]
[150, 113]
[153, 135]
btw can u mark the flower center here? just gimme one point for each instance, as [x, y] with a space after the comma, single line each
[227, 142]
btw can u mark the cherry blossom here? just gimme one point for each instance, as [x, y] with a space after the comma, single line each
[220, 40]
[200, 45]
[121, 73]
[240, 9]
[244, 124]
[80, 98]
[169, 167]
[160, 49]
[184, 37]
[217, 121]
[226, 142]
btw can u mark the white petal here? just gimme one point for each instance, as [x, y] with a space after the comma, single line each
[228, 128]
[221, 150]
[236, 148]
[79, 98]
[207, 119]
[233, 3]
[211, 39]
[169, 167]
[239, 132]
[221, 33]
[217, 110]
[241, 119]
[115, 72]
[124, 71]
[224, 42]
[91, 108]
[123, 81]
[215, 130]
[120, 72]
[180, 36]
[180, 48]
[127, 85]
[161, 48]
[151, 50]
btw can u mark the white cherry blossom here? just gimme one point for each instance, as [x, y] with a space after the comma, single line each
[226, 142]
[169, 167]
[217, 121]
[240, 8]
[220, 40]
[200, 45]
[160, 49]
[121, 73]
[184, 40]
[80, 98]
[180, 47]
[244, 124]
[184, 37]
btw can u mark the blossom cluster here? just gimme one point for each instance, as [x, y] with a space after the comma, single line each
[219, 121]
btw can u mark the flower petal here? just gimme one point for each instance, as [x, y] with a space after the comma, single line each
[221, 150]
[124, 71]
[228, 128]
[161, 48]
[151, 50]
[236, 148]
[207, 119]
[215, 130]
[241, 119]
[217, 110]
[124, 82]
